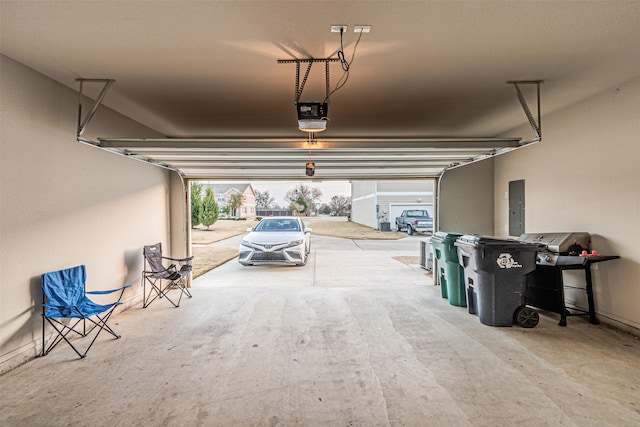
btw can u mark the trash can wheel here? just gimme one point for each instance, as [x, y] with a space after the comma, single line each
[527, 317]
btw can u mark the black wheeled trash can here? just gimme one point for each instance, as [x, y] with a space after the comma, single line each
[495, 279]
[450, 272]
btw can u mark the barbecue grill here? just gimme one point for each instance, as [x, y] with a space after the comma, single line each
[545, 285]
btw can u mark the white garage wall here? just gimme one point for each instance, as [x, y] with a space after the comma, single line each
[63, 203]
[466, 199]
[363, 203]
[585, 176]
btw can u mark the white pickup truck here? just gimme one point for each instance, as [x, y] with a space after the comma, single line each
[415, 220]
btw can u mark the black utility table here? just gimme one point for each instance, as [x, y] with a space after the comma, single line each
[545, 285]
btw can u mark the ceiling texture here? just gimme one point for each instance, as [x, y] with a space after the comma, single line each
[426, 91]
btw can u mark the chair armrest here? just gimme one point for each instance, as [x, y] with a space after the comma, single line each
[110, 291]
[54, 306]
[150, 273]
[64, 310]
[179, 259]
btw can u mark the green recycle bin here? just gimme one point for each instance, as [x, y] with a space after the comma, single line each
[450, 272]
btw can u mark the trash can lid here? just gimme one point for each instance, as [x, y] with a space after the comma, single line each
[445, 236]
[478, 240]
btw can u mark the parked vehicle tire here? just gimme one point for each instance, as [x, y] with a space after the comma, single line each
[398, 227]
[409, 230]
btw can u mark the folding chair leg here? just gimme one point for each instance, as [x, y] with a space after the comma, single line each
[147, 300]
[101, 324]
[187, 292]
[155, 288]
[62, 335]
[181, 284]
[102, 327]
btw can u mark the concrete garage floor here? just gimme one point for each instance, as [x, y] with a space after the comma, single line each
[355, 338]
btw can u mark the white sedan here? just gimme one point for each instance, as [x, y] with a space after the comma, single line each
[277, 240]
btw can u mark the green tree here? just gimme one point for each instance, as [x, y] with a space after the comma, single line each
[299, 205]
[310, 196]
[210, 210]
[196, 203]
[235, 202]
[296, 207]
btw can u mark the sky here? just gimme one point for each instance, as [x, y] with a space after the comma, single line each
[278, 189]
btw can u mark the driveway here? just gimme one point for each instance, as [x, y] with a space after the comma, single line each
[333, 262]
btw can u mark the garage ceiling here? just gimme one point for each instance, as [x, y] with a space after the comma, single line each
[426, 91]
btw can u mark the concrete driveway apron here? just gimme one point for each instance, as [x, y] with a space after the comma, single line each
[333, 262]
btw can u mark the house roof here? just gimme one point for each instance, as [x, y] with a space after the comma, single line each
[225, 188]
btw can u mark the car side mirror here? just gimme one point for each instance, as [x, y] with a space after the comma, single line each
[308, 230]
[249, 230]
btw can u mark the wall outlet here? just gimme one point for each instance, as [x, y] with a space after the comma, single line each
[337, 28]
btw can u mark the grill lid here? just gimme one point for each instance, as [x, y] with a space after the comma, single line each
[561, 243]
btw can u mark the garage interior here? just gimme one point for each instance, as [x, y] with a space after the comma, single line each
[198, 90]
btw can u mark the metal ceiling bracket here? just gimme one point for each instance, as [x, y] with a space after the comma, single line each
[310, 61]
[82, 124]
[537, 127]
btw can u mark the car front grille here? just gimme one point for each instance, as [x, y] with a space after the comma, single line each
[268, 256]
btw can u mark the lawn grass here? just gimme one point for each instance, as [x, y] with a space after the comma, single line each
[222, 229]
[206, 258]
[350, 230]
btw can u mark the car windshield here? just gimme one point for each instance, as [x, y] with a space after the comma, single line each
[418, 213]
[278, 224]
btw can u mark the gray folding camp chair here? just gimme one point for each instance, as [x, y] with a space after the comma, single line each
[160, 279]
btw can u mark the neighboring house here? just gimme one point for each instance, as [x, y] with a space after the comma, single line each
[223, 192]
[375, 202]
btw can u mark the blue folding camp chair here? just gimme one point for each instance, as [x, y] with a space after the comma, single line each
[69, 311]
[160, 279]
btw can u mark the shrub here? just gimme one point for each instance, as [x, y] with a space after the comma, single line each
[196, 203]
[209, 210]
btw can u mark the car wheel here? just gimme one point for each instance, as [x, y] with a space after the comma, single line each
[398, 227]
[409, 230]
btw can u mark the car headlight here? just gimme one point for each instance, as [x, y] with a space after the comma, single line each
[295, 243]
[246, 243]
